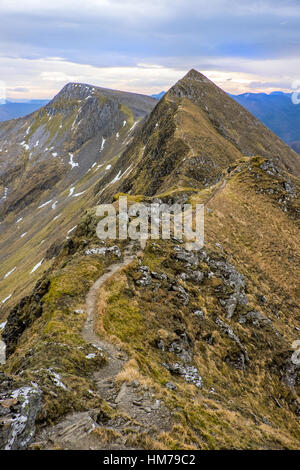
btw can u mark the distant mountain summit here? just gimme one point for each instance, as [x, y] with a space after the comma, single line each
[296, 146]
[62, 140]
[50, 162]
[193, 134]
[275, 110]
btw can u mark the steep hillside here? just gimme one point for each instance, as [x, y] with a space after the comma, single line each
[124, 347]
[195, 132]
[49, 162]
[275, 110]
[68, 134]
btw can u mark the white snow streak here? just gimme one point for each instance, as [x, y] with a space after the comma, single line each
[78, 194]
[71, 230]
[10, 272]
[6, 299]
[102, 144]
[45, 204]
[71, 162]
[37, 266]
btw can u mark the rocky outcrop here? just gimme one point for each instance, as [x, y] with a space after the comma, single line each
[18, 411]
[189, 373]
[23, 315]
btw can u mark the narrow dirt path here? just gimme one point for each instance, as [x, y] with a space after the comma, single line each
[218, 188]
[105, 376]
[133, 400]
[114, 357]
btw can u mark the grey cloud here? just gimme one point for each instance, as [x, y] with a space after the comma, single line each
[103, 37]
[18, 89]
[233, 36]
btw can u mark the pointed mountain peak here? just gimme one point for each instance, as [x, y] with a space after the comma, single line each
[203, 131]
[195, 75]
[194, 84]
[75, 91]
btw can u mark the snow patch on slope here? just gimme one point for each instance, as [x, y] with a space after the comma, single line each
[37, 266]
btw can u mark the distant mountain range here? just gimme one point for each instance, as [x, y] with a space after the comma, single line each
[275, 110]
[13, 110]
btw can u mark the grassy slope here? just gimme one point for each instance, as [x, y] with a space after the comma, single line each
[235, 409]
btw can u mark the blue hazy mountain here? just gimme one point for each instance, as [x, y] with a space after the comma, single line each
[12, 110]
[276, 111]
[158, 96]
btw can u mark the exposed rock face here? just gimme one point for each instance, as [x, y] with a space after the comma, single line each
[234, 280]
[291, 374]
[229, 332]
[2, 352]
[18, 411]
[23, 315]
[189, 373]
[72, 130]
[255, 318]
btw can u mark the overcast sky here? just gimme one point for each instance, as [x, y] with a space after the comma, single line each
[146, 45]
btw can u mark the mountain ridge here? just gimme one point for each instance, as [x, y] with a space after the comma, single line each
[232, 131]
[275, 110]
[202, 340]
